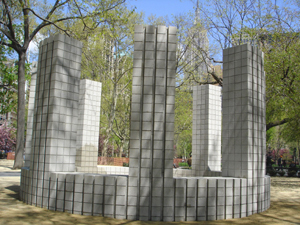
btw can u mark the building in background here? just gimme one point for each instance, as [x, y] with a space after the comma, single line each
[197, 55]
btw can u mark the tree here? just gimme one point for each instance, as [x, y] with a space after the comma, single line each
[195, 62]
[183, 122]
[8, 81]
[195, 66]
[107, 58]
[285, 153]
[8, 84]
[20, 21]
[282, 80]
[270, 25]
[109, 148]
[291, 133]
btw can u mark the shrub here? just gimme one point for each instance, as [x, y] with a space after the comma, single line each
[291, 173]
[275, 167]
[183, 164]
[281, 173]
[125, 164]
[272, 173]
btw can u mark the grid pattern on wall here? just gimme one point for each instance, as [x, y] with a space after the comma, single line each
[88, 126]
[195, 198]
[30, 118]
[206, 142]
[152, 121]
[55, 112]
[243, 137]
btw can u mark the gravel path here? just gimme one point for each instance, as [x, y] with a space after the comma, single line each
[285, 206]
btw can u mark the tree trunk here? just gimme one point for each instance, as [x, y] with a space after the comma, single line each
[112, 113]
[298, 152]
[111, 119]
[21, 112]
[121, 148]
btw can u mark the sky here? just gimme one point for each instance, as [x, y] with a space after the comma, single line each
[162, 7]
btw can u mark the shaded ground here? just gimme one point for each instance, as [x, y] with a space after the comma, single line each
[285, 207]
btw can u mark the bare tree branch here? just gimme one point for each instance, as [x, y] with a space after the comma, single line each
[277, 123]
[10, 22]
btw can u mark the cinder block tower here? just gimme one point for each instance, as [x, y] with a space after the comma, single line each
[244, 125]
[88, 126]
[207, 117]
[30, 116]
[152, 124]
[55, 121]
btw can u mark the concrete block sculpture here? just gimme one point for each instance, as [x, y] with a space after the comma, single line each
[30, 115]
[152, 124]
[207, 123]
[61, 172]
[244, 125]
[88, 126]
[55, 117]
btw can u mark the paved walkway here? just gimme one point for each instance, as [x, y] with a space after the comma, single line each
[285, 206]
[7, 165]
[10, 174]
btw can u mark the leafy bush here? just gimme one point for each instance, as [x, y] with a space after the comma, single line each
[183, 164]
[272, 173]
[281, 173]
[291, 173]
[125, 164]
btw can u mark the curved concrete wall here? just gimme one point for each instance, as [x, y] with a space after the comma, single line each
[193, 198]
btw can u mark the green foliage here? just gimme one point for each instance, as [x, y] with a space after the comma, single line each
[183, 164]
[193, 68]
[22, 20]
[183, 123]
[9, 81]
[281, 173]
[282, 63]
[107, 58]
[291, 173]
[156, 21]
[272, 172]
[291, 132]
[282, 66]
[270, 135]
